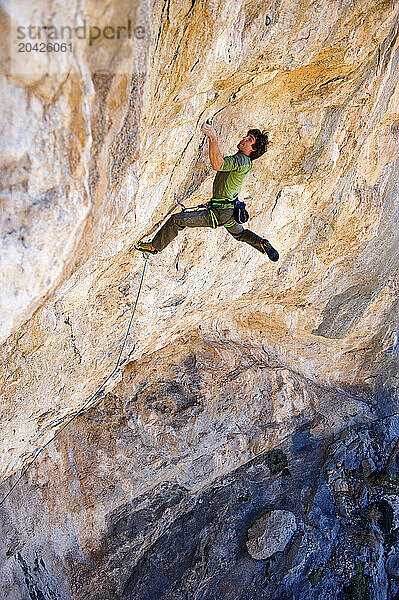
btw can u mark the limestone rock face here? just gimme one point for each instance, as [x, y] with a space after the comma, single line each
[151, 489]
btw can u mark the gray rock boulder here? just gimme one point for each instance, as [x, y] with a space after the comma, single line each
[271, 533]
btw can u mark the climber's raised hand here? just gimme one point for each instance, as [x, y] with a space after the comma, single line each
[209, 131]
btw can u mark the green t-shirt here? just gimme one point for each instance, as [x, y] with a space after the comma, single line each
[231, 175]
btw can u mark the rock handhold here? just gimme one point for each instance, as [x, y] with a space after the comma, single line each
[271, 533]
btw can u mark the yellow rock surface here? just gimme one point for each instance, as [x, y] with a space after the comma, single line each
[92, 159]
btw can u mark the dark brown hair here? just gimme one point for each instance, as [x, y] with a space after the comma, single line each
[261, 143]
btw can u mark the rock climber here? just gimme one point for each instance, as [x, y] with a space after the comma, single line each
[219, 211]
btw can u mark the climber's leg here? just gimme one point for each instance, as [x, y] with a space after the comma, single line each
[246, 235]
[177, 222]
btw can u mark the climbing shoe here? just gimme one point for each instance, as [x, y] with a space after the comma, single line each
[268, 249]
[145, 247]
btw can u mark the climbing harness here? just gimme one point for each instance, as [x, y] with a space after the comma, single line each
[214, 221]
[98, 394]
[240, 212]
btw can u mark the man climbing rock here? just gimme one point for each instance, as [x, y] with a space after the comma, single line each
[219, 211]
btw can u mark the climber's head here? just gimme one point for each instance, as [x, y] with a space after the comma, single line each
[254, 144]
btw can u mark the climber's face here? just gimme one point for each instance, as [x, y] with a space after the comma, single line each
[246, 144]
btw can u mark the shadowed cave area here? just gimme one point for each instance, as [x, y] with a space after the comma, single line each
[172, 543]
[175, 541]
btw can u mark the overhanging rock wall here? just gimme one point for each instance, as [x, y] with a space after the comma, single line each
[229, 355]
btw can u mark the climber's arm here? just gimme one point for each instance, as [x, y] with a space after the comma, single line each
[215, 156]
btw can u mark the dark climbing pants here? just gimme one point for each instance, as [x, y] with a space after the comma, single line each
[203, 218]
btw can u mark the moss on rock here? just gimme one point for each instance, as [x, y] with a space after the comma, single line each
[277, 461]
[358, 584]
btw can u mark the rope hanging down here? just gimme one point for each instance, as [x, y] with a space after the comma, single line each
[96, 395]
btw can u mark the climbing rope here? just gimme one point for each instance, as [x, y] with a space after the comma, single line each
[98, 394]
